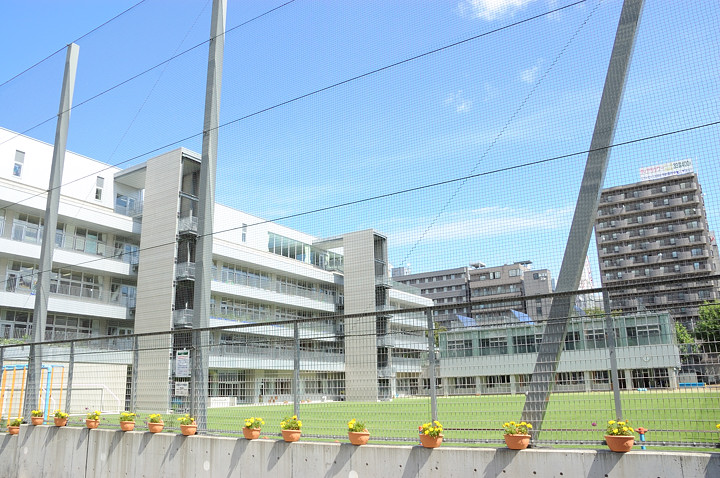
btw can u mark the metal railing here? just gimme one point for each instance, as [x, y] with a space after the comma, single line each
[480, 376]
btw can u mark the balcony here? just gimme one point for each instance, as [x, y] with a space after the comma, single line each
[183, 318]
[188, 225]
[133, 209]
[185, 271]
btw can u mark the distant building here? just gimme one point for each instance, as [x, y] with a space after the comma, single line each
[475, 290]
[655, 245]
[448, 286]
[510, 283]
[500, 359]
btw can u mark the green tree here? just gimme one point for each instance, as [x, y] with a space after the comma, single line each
[708, 326]
[685, 341]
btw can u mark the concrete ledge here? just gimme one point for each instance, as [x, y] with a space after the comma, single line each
[48, 451]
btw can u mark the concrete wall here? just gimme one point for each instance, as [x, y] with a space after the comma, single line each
[48, 451]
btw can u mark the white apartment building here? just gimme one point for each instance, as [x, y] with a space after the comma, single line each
[124, 262]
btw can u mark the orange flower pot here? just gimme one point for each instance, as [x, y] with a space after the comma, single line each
[428, 441]
[127, 426]
[188, 430]
[620, 443]
[517, 442]
[37, 420]
[251, 433]
[359, 438]
[291, 435]
[92, 423]
[60, 422]
[13, 430]
[156, 427]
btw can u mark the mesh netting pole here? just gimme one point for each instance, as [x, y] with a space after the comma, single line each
[431, 364]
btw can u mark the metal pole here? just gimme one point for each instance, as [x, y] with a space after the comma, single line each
[71, 368]
[610, 331]
[431, 364]
[42, 289]
[296, 371]
[550, 348]
[206, 206]
[134, 373]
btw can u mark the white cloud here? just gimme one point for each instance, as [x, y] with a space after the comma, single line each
[458, 101]
[485, 222]
[529, 75]
[492, 9]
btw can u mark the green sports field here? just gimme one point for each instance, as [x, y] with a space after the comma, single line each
[672, 417]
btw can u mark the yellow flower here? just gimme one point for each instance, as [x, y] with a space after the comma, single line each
[717, 426]
[350, 426]
[512, 423]
[427, 432]
[611, 422]
[615, 430]
[294, 417]
[529, 426]
[506, 424]
[299, 423]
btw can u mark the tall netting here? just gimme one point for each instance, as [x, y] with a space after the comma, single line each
[395, 190]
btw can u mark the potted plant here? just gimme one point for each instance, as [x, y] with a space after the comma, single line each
[431, 434]
[155, 423]
[37, 417]
[127, 421]
[516, 435]
[92, 419]
[357, 433]
[619, 436]
[290, 427]
[187, 425]
[14, 425]
[251, 430]
[60, 418]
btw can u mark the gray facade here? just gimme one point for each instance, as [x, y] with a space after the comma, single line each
[445, 288]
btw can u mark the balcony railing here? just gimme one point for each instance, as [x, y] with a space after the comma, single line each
[183, 318]
[188, 225]
[185, 270]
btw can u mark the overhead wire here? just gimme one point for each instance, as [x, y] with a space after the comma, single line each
[422, 187]
[74, 41]
[286, 102]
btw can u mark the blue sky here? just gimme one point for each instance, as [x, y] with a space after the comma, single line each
[519, 94]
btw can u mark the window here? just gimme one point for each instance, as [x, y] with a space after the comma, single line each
[514, 272]
[696, 252]
[244, 233]
[572, 340]
[493, 346]
[524, 344]
[99, 183]
[465, 383]
[459, 348]
[19, 162]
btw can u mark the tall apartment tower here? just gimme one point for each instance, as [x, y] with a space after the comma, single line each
[655, 247]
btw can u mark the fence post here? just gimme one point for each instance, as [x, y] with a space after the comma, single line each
[610, 331]
[134, 373]
[296, 371]
[71, 367]
[431, 364]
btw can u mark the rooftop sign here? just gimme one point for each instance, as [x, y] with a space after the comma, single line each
[668, 169]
